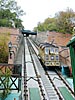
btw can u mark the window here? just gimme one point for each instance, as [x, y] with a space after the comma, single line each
[56, 50]
[57, 57]
[51, 50]
[46, 57]
[52, 57]
[46, 50]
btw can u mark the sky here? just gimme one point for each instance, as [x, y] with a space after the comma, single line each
[38, 10]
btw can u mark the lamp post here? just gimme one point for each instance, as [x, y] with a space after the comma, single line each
[10, 47]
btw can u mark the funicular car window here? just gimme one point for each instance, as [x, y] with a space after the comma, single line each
[46, 50]
[57, 57]
[52, 57]
[52, 50]
[56, 50]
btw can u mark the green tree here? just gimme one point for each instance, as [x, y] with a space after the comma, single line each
[62, 22]
[12, 6]
[65, 21]
[10, 13]
[48, 24]
[40, 27]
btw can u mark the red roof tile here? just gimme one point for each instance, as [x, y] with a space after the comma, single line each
[59, 38]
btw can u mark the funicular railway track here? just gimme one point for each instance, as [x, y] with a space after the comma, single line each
[37, 75]
[56, 72]
[51, 92]
[48, 79]
[59, 82]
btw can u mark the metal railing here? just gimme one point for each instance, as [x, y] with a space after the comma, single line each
[10, 75]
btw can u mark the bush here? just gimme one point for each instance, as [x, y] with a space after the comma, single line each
[4, 37]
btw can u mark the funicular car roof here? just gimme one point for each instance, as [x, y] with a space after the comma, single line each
[43, 45]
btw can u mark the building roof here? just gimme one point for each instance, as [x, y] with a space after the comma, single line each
[59, 38]
[47, 45]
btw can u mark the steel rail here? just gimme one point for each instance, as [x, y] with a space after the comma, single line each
[38, 78]
[48, 87]
[64, 82]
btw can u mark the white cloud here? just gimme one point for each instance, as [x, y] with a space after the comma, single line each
[38, 10]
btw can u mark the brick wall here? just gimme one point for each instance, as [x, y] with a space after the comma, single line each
[13, 37]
